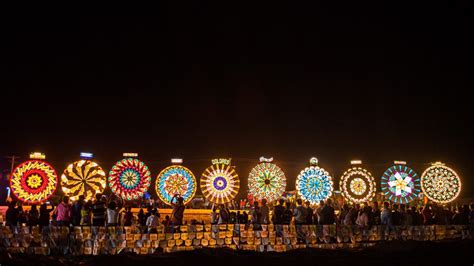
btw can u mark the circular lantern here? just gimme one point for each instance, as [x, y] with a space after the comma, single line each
[357, 185]
[266, 181]
[129, 179]
[440, 183]
[220, 182]
[400, 184]
[33, 181]
[314, 183]
[83, 177]
[176, 180]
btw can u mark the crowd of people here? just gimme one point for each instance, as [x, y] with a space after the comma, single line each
[112, 211]
[100, 212]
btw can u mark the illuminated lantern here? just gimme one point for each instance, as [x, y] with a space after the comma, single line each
[129, 178]
[400, 184]
[33, 181]
[440, 183]
[219, 182]
[266, 181]
[314, 183]
[83, 177]
[357, 185]
[176, 180]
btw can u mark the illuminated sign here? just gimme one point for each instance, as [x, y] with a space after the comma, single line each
[87, 155]
[37, 155]
[353, 162]
[266, 160]
[400, 162]
[221, 161]
[130, 154]
[176, 160]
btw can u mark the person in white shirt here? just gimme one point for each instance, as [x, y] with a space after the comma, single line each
[112, 214]
[152, 221]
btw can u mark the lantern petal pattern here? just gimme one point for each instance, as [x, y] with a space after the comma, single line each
[400, 184]
[33, 181]
[220, 183]
[129, 179]
[267, 181]
[357, 185]
[176, 180]
[440, 183]
[314, 184]
[83, 177]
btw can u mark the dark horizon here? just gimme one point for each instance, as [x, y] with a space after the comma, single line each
[371, 81]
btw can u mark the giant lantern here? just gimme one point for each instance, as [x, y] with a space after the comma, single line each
[129, 178]
[400, 183]
[440, 183]
[357, 184]
[34, 181]
[83, 177]
[176, 180]
[266, 180]
[314, 183]
[220, 182]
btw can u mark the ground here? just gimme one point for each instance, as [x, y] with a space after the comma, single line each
[389, 253]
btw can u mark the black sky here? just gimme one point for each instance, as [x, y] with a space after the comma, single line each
[375, 81]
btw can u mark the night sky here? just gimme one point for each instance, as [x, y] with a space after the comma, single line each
[371, 81]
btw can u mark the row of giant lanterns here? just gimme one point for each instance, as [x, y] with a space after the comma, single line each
[35, 181]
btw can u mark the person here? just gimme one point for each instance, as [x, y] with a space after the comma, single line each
[33, 216]
[239, 217]
[128, 216]
[278, 212]
[309, 213]
[328, 215]
[462, 216]
[86, 213]
[232, 217]
[152, 221]
[245, 218]
[427, 215]
[22, 215]
[141, 217]
[386, 214]
[318, 211]
[98, 211]
[223, 215]
[396, 215]
[287, 214]
[112, 214]
[149, 209]
[44, 215]
[11, 216]
[300, 219]
[256, 215]
[265, 212]
[351, 215]
[167, 224]
[363, 217]
[300, 213]
[214, 215]
[407, 215]
[77, 211]
[63, 212]
[342, 214]
[375, 214]
[177, 214]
